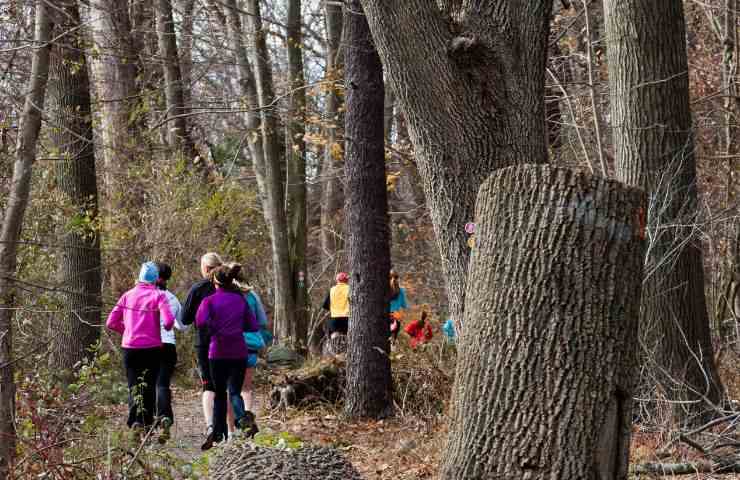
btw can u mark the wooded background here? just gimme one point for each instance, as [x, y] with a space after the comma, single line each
[134, 130]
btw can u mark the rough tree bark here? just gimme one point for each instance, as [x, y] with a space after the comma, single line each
[296, 157]
[332, 193]
[547, 360]
[649, 90]
[470, 79]
[115, 69]
[369, 380]
[274, 179]
[10, 232]
[72, 139]
[178, 135]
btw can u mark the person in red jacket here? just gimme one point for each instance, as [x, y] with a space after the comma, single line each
[419, 330]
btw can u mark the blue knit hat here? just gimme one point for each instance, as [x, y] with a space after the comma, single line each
[148, 273]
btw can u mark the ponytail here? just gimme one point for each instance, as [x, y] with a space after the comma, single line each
[225, 275]
[239, 277]
[395, 286]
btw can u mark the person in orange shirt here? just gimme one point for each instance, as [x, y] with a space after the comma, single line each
[420, 331]
[337, 302]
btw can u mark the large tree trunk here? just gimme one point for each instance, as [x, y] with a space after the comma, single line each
[649, 89]
[296, 156]
[547, 360]
[30, 124]
[332, 193]
[369, 380]
[178, 135]
[274, 179]
[72, 136]
[470, 80]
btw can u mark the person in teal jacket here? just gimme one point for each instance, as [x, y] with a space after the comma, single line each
[449, 330]
[255, 340]
[397, 304]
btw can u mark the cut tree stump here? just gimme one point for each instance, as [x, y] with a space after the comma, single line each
[546, 362]
[242, 461]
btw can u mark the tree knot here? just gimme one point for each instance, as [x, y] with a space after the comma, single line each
[466, 49]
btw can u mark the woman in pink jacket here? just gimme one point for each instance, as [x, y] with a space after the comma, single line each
[136, 316]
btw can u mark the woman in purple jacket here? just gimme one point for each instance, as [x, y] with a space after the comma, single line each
[227, 316]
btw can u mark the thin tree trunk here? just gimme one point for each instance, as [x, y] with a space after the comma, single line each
[730, 267]
[296, 156]
[547, 361]
[248, 90]
[390, 103]
[649, 89]
[592, 91]
[10, 232]
[72, 137]
[471, 85]
[178, 135]
[115, 69]
[369, 380]
[274, 179]
[115, 72]
[186, 51]
[406, 194]
[332, 193]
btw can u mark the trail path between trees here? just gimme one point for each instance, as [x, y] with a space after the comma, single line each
[403, 448]
[398, 449]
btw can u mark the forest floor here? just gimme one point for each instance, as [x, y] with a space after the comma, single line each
[401, 448]
[406, 447]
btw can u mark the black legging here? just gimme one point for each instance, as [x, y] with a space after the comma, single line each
[166, 370]
[339, 324]
[142, 368]
[228, 376]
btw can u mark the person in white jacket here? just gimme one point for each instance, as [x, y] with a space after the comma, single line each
[169, 355]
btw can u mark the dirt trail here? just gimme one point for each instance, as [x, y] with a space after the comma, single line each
[398, 449]
[188, 432]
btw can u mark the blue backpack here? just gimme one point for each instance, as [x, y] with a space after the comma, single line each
[255, 340]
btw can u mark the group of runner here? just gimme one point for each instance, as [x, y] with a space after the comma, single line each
[231, 328]
[337, 303]
[229, 318]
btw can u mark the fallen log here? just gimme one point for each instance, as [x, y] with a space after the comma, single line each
[317, 383]
[685, 468]
[335, 346]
